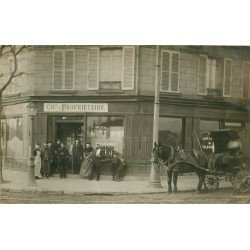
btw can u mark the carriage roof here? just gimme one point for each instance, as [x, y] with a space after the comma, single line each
[225, 140]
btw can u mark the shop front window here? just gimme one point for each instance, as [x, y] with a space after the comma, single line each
[206, 126]
[170, 131]
[14, 137]
[108, 132]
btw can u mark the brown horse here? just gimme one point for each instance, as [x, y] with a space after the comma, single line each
[179, 161]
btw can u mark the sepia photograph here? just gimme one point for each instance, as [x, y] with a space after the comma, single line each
[165, 124]
[124, 124]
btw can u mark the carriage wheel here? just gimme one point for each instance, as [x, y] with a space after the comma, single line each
[232, 178]
[242, 181]
[211, 182]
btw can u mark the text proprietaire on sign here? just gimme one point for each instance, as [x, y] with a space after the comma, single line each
[75, 107]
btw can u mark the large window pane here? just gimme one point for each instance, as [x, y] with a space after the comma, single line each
[107, 132]
[206, 126]
[14, 137]
[111, 65]
[170, 131]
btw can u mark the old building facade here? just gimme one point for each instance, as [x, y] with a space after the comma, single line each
[105, 95]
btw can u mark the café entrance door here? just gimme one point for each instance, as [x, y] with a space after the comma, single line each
[68, 132]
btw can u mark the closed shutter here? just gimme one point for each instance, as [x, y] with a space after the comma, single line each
[93, 69]
[58, 69]
[227, 77]
[69, 69]
[246, 80]
[165, 65]
[175, 72]
[202, 75]
[128, 68]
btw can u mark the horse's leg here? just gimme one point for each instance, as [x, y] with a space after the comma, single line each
[201, 176]
[175, 177]
[169, 180]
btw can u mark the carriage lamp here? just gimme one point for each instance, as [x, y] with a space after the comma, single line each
[31, 111]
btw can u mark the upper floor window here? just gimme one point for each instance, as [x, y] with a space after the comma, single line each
[111, 68]
[227, 82]
[170, 71]
[63, 69]
[245, 80]
[207, 70]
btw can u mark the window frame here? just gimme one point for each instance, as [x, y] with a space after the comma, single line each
[224, 77]
[63, 69]
[171, 52]
[198, 92]
[242, 87]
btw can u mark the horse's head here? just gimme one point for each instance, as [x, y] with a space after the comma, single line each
[162, 153]
[157, 152]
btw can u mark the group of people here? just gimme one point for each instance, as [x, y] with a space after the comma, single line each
[50, 159]
[86, 161]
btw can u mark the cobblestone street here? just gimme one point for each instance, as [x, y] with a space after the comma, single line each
[220, 197]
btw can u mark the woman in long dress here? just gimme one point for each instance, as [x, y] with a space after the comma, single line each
[37, 161]
[86, 167]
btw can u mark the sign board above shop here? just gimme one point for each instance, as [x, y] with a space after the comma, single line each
[75, 107]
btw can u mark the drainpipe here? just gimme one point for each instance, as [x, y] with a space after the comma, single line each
[137, 71]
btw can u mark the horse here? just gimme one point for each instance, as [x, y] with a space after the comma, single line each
[179, 161]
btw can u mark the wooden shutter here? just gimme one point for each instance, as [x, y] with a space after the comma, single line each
[246, 80]
[165, 68]
[202, 72]
[58, 69]
[93, 69]
[69, 69]
[128, 68]
[227, 77]
[175, 72]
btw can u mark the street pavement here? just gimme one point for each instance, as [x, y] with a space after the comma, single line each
[74, 185]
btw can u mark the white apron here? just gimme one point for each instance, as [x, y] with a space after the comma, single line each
[38, 164]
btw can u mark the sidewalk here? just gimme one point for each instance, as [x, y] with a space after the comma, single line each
[74, 185]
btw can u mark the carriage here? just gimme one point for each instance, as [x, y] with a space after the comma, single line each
[219, 157]
[225, 160]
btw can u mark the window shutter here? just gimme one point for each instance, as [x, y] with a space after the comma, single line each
[128, 68]
[165, 65]
[58, 69]
[69, 69]
[246, 80]
[227, 77]
[93, 69]
[175, 72]
[202, 75]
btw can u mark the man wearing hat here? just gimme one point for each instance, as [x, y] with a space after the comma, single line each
[46, 160]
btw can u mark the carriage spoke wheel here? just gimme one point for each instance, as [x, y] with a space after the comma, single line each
[211, 183]
[242, 181]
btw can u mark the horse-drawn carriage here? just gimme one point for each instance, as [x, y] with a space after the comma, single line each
[225, 160]
[219, 157]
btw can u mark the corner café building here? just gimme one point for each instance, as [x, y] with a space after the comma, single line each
[123, 124]
[116, 125]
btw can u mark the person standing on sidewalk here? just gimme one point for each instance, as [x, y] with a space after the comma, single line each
[96, 164]
[56, 150]
[77, 154]
[53, 161]
[121, 170]
[115, 161]
[37, 161]
[63, 159]
[86, 166]
[46, 160]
